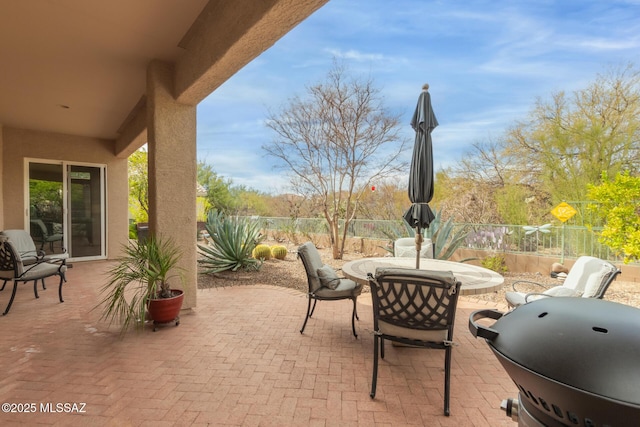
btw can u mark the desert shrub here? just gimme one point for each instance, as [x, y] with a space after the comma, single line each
[232, 241]
[496, 263]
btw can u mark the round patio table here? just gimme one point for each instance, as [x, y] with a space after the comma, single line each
[474, 279]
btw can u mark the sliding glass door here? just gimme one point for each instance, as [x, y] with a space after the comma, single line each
[46, 206]
[67, 208]
[86, 196]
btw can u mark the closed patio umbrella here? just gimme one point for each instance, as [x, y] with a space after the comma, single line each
[419, 215]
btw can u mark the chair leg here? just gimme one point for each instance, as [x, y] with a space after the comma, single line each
[60, 288]
[35, 289]
[13, 294]
[447, 379]
[315, 301]
[353, 319]
[381, 348]
[4, 284]
[374, 380]
[309, 312]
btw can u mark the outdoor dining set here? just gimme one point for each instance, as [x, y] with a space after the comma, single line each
[416, 307]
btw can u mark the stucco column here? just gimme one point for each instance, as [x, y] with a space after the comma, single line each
[1, 179]
[171, 138]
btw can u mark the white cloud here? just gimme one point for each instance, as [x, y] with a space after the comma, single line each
[355, 55]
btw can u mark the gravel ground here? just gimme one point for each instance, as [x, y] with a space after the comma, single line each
[290, 273]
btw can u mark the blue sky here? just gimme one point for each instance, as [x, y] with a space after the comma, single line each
[486, 63]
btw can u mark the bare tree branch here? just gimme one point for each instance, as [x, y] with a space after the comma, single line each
[334, 143]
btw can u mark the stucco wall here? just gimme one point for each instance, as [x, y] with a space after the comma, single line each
[524, 263]
[18, 144]
[2, 227]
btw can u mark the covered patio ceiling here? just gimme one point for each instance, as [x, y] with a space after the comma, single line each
[79, 67]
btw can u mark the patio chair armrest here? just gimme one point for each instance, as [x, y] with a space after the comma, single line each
[37, 254]
[529, 282]
[60, 263]
[526, 297]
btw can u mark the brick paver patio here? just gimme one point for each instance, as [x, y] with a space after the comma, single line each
[237, 359]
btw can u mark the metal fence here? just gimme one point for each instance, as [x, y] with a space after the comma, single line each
[563, 241]
[570, 241]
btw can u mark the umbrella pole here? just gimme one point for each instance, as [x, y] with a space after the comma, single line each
[418, 246]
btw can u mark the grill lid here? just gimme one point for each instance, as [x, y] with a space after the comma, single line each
[587, 343]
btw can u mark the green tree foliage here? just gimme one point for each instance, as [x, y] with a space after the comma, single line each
[619, 204]
[138, 186]
[230, 199]
[569, 141]
[335, 143]
[250, 202]
[219, 193]
[563, 146]
[46, 199]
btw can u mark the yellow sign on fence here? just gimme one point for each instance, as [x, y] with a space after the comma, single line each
[563, 211]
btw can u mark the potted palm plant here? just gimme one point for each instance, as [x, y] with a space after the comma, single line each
[139, 284]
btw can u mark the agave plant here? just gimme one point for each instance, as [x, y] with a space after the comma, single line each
[232, 241]
[445, 237]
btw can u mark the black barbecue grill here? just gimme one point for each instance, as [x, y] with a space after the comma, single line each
[575, 361]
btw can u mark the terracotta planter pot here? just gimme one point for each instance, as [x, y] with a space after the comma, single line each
[166, 310]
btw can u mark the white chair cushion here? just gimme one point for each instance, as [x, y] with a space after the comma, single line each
[559, 291]
[405, 247]
[595, 281]
[580, 272]
[514, 299]
[412, 334]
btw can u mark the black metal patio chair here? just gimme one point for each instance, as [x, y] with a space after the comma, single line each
[325, 285]
[414, 308]
[13, 269]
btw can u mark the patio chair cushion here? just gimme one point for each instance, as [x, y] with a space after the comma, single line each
[328, 277]
[23, 244]
[594, 282]
[42, 270]
[345, 289]
[27, 250]
[412, 334]
[405, 247]
[518, 298]
[515, 299]
[559, 291]
[578, 275]
[310, 254]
